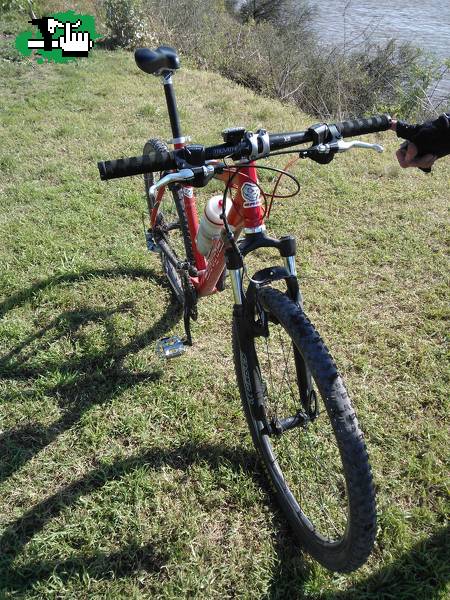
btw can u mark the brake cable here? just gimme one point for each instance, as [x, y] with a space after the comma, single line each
[223, 216]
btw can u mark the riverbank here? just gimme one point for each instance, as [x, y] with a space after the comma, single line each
[424, 24]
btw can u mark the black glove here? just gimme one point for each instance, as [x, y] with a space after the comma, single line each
[431, 137]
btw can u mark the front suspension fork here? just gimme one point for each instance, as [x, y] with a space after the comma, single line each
[245, 310]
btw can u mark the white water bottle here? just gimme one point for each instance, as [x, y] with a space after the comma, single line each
[211, 224]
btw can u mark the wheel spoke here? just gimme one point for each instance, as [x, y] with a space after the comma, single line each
[320, 491]
[301, 457]
[316, 486]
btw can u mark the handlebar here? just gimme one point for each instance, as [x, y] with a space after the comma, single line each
[136, 165]
[183, 158]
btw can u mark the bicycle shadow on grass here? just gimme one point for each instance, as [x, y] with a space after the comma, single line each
[87, 380]
[133, 557]
[422, 573]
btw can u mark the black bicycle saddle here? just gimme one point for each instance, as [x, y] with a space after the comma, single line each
[158, 61]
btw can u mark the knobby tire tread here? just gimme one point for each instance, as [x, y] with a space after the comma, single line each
[352, 551]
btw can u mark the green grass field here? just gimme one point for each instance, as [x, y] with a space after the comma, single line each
[126, 477]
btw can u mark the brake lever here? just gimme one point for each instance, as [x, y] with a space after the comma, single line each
[198, 176]
[183, 175]
[342, 146]
[323, 153]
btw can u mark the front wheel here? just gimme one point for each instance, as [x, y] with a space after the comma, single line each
[306, 432]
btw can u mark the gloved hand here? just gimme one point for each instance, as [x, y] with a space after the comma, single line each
[426, 142]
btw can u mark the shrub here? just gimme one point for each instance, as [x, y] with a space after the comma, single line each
[278, 58]
[125, 23]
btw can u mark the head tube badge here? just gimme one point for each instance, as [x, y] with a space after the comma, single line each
[251, 195]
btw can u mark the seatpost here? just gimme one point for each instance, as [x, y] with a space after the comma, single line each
[172, 105]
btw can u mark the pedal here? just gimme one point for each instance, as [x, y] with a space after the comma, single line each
[170, 347]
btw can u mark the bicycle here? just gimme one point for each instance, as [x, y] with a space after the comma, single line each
[299, 414]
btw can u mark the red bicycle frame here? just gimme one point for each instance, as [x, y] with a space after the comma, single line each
[246, 212]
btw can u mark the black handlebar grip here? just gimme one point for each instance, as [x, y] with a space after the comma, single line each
[136, 165]
[354, 127]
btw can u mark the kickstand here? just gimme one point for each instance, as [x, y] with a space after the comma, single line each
[187, 326]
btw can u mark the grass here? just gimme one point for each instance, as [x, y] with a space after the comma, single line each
[126, 477]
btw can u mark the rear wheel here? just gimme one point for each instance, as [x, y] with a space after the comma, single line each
[306, 432]
[171, 224]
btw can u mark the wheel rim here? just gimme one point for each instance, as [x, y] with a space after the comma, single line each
[304, 461]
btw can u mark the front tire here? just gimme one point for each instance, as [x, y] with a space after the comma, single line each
[318, 468]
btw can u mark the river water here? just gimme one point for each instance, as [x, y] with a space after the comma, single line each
[424, 23]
